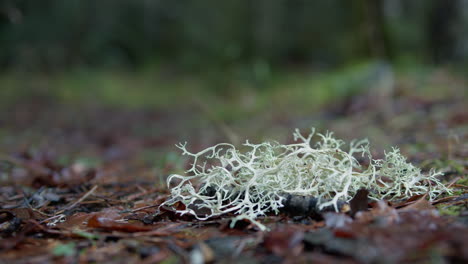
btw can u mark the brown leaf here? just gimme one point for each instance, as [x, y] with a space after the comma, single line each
[75, 221]
[359, 202]
[343, 233]
[409, 201]
[284, 241]
[421, 204]
[111, 220]
[380, 212]
[22, 213]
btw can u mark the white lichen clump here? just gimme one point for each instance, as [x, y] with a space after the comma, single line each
[222, 179]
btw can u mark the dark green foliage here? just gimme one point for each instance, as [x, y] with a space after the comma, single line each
[214, 36]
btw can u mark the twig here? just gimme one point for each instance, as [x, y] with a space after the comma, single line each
[447, 199]
[222, 126]
[49, 230]
[143, 190]
[28, 204]
[453, 181]
[144, 207]
[82, 198]
[51, 218]
[86, 195]
[38, 211]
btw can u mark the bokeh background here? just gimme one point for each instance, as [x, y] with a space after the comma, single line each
[98, 81]
[208, 36]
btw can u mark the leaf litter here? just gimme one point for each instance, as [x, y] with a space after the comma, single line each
[86, 194]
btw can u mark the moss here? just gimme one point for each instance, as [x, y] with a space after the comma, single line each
[463, 181]
[171, 260]
[452, 210]
[453, 165]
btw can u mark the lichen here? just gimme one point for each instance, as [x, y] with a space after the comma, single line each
[223, 179]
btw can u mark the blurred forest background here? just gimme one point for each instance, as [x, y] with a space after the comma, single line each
[232, 58]
[200, 36]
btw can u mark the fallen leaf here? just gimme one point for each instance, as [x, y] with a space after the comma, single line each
[108, 221]
[381, 213]
[359, 202]
[284, 241]
[421, 204]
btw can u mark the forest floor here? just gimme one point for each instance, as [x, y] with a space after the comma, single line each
[82, 184]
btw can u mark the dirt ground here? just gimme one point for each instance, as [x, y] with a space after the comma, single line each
[83, 184]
